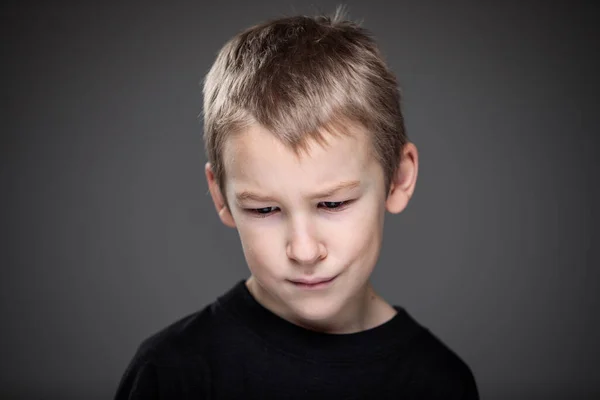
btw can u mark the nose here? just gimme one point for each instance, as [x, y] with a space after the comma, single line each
[304, 247]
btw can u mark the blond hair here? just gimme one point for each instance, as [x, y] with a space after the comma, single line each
[299, 77]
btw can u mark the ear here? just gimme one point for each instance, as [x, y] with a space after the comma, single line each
[404, 180]
[217, 197]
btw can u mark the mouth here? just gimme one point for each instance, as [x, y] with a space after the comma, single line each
[320, 283]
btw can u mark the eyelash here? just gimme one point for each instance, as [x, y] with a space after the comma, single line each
[341, 205]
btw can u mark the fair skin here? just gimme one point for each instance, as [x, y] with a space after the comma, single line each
[312, 217]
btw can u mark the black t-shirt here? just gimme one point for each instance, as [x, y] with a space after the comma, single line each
[237, 349]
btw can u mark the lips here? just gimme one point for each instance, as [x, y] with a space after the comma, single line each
[315, 282]
[311, 281]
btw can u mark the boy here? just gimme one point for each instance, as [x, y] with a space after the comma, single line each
[307, 150]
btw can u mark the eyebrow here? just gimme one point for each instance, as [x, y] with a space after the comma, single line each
[247, 195]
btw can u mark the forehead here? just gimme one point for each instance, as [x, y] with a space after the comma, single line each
[258, 159]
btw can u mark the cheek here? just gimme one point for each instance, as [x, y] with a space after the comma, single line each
[261, 243]
[359, 238]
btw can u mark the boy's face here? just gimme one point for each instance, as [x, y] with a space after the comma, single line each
[308, 218]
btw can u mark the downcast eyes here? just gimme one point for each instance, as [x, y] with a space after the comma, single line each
[264, 210]
[332, 204]
[329, 205]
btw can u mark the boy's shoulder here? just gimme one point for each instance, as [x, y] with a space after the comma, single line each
[176, 352]
[437, 368]
[181, 341]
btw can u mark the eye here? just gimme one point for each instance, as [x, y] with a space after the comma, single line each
[262, 212]
[334, 205]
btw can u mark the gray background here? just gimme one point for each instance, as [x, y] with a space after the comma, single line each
[108, 233]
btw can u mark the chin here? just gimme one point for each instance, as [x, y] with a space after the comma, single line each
[316, 310]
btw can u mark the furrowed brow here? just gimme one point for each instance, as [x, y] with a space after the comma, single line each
[251, 196]
[337, 188]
